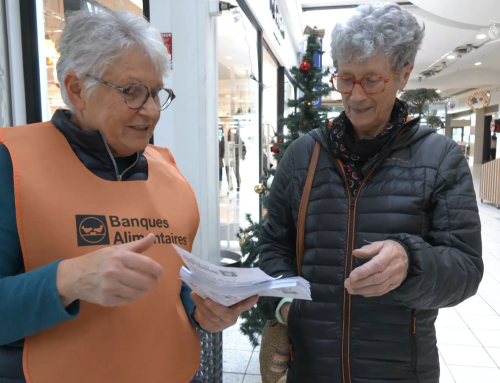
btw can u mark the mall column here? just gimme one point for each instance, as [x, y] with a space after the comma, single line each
[189, 129]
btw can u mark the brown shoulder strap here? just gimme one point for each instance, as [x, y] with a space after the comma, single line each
[303, 205]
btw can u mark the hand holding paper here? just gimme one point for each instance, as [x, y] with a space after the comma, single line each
[230, 285]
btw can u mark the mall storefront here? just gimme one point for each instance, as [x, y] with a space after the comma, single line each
[253, 86]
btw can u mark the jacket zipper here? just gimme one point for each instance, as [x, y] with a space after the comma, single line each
[345, 364]
[413, 336]
[346, 310]
[346, 314]
[119, 177]
[130, 167]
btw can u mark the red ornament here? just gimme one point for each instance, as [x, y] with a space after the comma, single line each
[305, 66]
[275, 149]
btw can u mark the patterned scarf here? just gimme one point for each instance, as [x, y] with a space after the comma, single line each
[355, 153]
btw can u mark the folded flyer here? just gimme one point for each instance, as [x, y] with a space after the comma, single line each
[230, 285]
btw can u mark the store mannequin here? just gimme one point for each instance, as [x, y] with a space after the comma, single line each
[239, 152]
[231, 150]
[221, 155]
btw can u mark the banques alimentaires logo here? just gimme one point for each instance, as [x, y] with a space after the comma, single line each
[95, 230]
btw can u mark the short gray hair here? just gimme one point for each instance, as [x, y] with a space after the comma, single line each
[92, 41]
[378, 28]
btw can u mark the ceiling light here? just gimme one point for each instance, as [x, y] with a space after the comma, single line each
[241, 100]
[229, 57]
[481, 36]
[450, 57]
[478, 63]
[228, 96]
[235, 98]
[438, 91]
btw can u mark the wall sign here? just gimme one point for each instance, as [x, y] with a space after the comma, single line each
[167, 41]
[478, 101]
[278, 19]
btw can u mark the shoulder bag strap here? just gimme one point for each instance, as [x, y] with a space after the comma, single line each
[303, 205]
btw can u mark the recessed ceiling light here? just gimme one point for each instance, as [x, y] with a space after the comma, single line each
[481, 36]
[229, 57]
[439, 91]
[228, 96]
[478, 63]
[450, 57]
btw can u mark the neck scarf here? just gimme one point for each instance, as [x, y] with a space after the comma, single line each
[353, 152]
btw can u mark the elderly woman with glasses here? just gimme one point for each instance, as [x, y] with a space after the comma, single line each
[89, 277]
[392, 232]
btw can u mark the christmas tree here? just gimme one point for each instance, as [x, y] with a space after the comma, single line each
[308, 115]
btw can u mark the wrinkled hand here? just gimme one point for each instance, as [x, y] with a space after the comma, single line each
[114, 275]
[214, 317]
[386, 270]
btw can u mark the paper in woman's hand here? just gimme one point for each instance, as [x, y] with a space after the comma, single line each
[230, 285]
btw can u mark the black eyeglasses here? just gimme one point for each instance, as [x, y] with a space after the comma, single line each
[136, 95]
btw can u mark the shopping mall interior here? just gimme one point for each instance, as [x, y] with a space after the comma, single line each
[231, 74]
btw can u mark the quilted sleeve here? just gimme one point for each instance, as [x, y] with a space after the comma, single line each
[446, 268]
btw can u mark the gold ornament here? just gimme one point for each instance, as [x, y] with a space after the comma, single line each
[259, 189]
[242, 241]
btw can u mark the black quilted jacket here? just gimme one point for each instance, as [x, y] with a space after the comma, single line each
[417, 191]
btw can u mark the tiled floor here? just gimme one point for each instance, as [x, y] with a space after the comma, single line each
[468, 335]
[241, 361]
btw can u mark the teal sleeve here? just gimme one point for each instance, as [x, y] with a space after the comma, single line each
[29, 301]
[188, 303]
[279, 317]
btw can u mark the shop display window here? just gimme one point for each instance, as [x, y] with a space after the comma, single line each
[239, 137]
[54, 12]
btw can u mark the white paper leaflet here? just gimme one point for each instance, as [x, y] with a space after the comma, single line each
[230, 285]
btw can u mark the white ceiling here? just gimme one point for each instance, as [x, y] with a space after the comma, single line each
[449, 24]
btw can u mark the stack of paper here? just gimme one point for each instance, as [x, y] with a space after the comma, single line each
[230, 285]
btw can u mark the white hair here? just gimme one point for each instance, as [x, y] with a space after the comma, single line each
[90, 42]
[378, 28]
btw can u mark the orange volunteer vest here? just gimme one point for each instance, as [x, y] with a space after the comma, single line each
[64, 211]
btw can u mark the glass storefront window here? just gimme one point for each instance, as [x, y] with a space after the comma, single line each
[269, 110]
[463, 138]
[289, 95]
[239, 138]
[53, 17]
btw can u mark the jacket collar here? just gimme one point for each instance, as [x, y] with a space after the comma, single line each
[89, 141]
[410, 132]
[93, 151]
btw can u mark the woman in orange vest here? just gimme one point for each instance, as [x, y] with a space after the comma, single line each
[89, 279]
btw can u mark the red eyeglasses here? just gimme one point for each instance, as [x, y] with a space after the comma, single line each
[371, 84]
